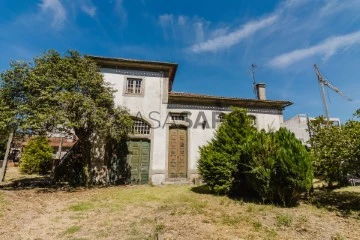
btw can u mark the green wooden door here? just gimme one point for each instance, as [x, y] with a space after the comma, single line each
[139, 161]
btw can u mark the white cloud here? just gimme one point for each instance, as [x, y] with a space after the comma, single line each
[223, 38]
[57, 11]
[337, 6]
[120, 9]
[167, 20]
[232, 38]
[88, 8]
[291, 4]
[219, 32]
[182, 20]
[326, 49]
[183, 28]
[199, 31]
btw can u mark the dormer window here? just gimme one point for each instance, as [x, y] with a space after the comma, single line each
[134, 86]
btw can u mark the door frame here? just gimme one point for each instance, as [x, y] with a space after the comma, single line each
[148, 137]
[149, 170]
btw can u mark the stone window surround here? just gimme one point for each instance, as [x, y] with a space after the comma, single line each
[142, 88]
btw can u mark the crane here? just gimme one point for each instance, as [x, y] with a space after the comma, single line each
[323, 82]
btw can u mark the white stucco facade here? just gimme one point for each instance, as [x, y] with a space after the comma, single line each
[299, 125]
[156, 103]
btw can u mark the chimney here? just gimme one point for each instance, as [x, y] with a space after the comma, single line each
[260, 91]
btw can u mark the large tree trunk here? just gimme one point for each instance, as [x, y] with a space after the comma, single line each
[97, 160]
[4, 164]
[86, 146]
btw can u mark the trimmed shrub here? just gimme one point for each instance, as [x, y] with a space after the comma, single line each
[36, 157]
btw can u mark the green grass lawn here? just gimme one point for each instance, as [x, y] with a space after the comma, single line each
[171, 212]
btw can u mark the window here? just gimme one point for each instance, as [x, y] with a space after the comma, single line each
[178, 116]
[253, 120]
[141, 127]
[221, 117]
[133, 86]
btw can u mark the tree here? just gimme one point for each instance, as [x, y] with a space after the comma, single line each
[36, 157]
[336, 150]
[61, 93]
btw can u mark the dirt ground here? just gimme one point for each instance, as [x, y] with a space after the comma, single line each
[168, 212]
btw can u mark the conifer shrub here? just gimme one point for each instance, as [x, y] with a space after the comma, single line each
[259, 162]
[293, 172]
[279, 167]
[36, 157]
[219, 163]
[239, 159]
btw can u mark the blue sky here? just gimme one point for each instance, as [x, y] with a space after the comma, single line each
[214, 42]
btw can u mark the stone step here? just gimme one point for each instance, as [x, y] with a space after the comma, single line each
[177, 181]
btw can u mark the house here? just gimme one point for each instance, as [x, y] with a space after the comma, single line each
[171, 126]
[300, 126]
[61, 144]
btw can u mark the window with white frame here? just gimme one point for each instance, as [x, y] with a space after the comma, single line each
[134, 86]
[140, 127]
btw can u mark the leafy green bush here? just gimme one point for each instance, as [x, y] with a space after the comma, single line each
[36, 157]
[336, 150]
[274, 165]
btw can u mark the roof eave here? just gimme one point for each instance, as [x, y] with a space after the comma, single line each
[231, 101]
[171, 68]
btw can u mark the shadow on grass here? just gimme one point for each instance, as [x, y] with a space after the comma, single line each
[248, 197]
[202, 189]
[345, 202]
[42, 183]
